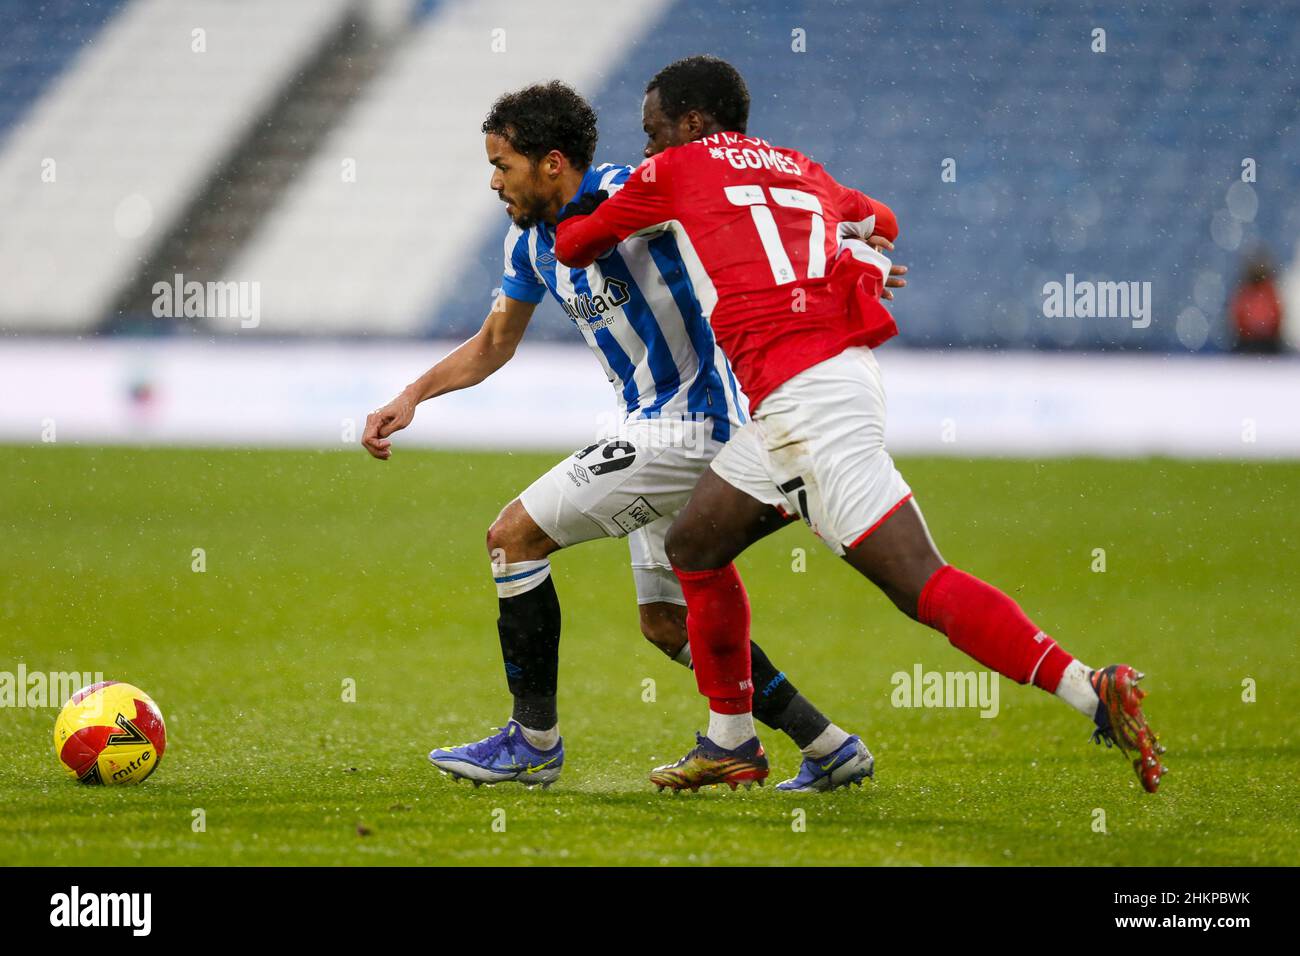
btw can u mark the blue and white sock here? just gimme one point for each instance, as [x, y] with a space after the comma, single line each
[519, 577]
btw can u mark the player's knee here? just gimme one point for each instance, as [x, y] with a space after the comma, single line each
[665, 631]
[669, 640]
[499, 540]
[506, 540]
[514, 536]
[686, 550]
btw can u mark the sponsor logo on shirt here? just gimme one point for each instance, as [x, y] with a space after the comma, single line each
[593, 308]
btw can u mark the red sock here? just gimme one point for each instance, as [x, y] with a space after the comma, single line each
[717, 624]
[981, 621]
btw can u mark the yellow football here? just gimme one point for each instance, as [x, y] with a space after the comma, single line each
[108, 733]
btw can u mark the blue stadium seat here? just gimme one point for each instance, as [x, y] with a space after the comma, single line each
[38, 39]
[1154, 130]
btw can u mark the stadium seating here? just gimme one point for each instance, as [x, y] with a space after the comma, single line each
[37, 43]
[382, 254]
[1123, 165]
[135, 126]
[1110, 166]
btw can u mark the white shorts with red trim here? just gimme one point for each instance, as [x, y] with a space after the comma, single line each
[816, 448]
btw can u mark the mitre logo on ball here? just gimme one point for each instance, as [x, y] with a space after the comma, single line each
[110, 733]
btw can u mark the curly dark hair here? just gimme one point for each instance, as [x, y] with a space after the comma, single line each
[707, 84]
[543, 117]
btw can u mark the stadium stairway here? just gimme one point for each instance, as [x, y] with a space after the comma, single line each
[246, 189]
[370, 255]
[132, 133]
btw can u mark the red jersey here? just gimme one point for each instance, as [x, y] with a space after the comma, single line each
[759, 228]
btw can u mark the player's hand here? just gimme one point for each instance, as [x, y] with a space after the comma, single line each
[582, 206]
[383, 422]
[896, 271]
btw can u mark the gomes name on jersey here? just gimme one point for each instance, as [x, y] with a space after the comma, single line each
[749, 152]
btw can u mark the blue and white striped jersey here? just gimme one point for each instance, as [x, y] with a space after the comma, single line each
[637, 310]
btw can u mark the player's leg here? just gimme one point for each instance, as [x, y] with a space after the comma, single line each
[660, 606]
[733, 505]
[663, 624]
[899, 556]
[828, 433]
[659, 588]
[528, 622]
[777, 702]
[717, 524]
[607, 489]
[544, 519]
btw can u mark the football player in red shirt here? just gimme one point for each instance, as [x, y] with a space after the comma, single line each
[777, 252]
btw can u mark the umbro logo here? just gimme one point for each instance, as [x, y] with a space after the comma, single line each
[545, 259]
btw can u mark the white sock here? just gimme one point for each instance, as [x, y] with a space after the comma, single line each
[1076, 690]
[826, 743]
[729, 731]
[520, 577]
[684, 655]
[541, 739]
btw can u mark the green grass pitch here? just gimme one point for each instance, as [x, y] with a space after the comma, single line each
[328, 566]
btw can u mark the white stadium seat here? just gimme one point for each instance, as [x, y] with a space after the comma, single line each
[134, 129]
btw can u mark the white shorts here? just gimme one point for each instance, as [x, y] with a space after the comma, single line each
[816, 449]
[633, 484]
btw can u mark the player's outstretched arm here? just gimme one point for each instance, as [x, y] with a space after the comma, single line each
[473, 361]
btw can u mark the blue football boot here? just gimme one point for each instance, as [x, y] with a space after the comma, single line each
[506, 755]
[852, 763]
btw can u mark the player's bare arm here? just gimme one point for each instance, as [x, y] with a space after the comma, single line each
[470, 363]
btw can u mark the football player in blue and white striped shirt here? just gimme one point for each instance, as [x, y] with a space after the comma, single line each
[679, 403]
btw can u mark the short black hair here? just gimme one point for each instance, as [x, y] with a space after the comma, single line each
[543, 117]
[707, 84]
